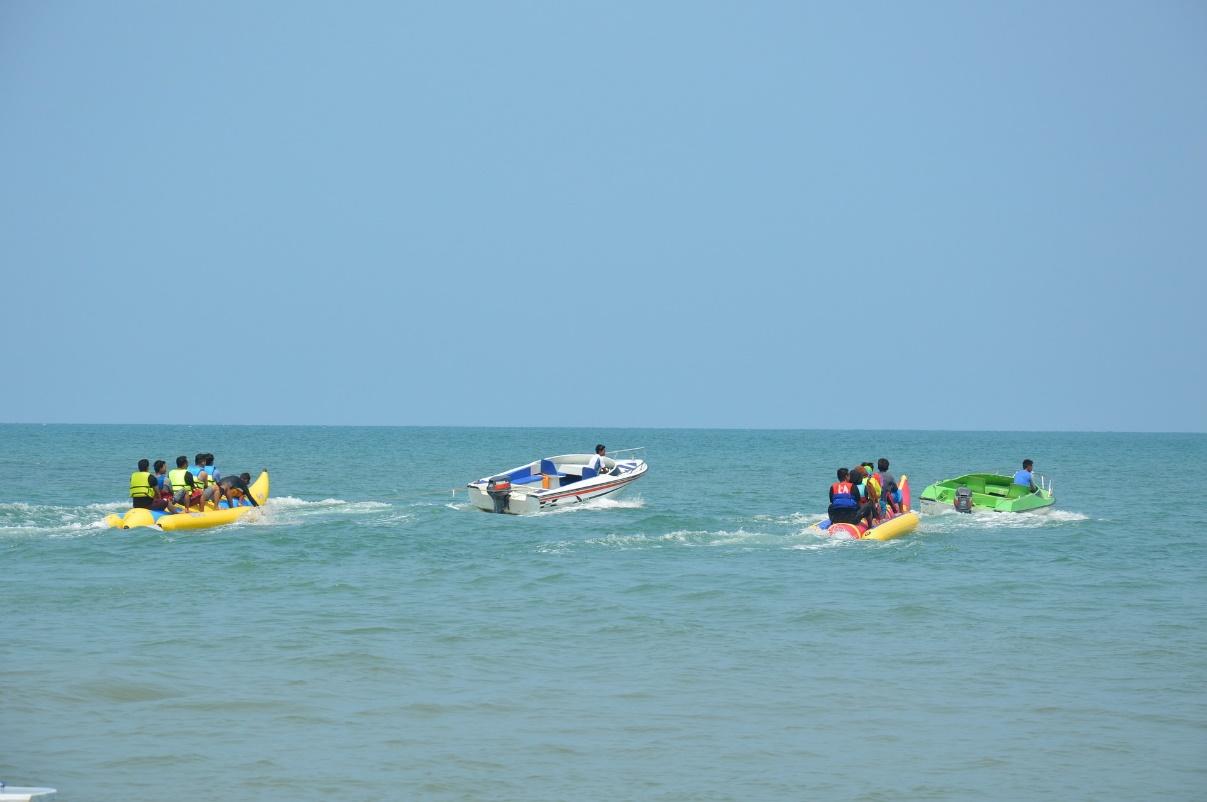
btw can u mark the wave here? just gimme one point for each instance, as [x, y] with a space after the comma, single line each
[683, 537]
[948, 520]
[290, 502]
[597, 504]
[23, 519]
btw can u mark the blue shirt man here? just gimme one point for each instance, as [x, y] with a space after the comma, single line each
[1023, 477]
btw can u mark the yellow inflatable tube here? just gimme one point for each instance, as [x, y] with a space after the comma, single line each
[192, 520]
[901, 524]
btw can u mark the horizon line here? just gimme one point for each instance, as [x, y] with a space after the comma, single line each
[604, 428]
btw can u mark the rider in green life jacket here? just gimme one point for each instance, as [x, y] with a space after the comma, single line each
[142, 486]
[180, 480]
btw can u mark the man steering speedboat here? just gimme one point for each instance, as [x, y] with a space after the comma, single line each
[597, 462]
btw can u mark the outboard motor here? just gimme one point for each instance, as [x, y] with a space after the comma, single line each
[499, 490]
[963, 502]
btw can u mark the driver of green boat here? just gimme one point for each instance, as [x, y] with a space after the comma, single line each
[844, 503]
[1025, 477]
[890, 493]
[234, 488]
[963, 499]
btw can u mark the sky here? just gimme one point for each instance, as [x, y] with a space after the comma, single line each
[939, 215]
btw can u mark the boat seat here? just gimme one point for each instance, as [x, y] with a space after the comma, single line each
[527, 480]
[589, 472]
[549, 469]
[997, 490]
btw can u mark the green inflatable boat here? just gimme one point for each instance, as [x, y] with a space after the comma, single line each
[990, 491]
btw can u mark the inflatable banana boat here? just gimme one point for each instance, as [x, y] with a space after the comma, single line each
[210, 516]
[890, 527]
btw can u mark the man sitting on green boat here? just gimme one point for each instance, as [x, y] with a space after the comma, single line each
[1025, 477]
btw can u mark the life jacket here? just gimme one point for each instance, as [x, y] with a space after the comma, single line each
[874, 488]
[198, 482]
[963, 501]
[176, 479]
[843, 495]
[141, 485]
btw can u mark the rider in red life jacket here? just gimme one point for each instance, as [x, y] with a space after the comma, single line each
[845, 506]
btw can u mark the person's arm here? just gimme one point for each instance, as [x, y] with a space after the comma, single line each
[247, 493]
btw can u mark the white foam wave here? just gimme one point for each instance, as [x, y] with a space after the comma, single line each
[292, 503]
[23, 519]
[682, 537]
[597, 504]
[946, 520]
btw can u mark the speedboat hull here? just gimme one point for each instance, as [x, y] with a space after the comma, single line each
[552, 482]
[991, 492]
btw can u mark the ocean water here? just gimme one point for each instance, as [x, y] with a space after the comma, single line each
[371, 637]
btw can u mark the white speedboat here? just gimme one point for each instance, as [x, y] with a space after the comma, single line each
[553, 482]
[14, 793]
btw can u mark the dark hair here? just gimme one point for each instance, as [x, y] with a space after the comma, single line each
[200, 460]
[882, 464]
[843, 473]
[857, 473]
[245, 477]
[159, 464]
[182, 462]
[142, 464]
[867, 465]
[1027, 464]
[209, 459]
[600, 447]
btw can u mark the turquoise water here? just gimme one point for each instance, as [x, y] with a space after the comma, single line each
[370, 636]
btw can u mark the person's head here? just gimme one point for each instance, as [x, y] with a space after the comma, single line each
[200, 460]
[245, 477]
[209, 459]
[868, 468]
[843, 474]
[143, 464]
[601, 449]
[857, 474]
[882, 464]
[1027, 464]
[182, 462]
[160, 466]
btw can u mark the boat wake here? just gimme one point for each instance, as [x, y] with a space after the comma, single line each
[948, 520]
[289, 510]
[740, 539]
[597, 504]
[19, 519]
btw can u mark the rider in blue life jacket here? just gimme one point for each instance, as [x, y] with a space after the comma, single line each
[845, 507]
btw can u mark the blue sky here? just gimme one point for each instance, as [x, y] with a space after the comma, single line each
[871, 215]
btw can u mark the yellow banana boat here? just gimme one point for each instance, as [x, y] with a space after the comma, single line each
[204, 519]
[892, 527]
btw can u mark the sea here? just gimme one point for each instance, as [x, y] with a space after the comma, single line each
[370, 636]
